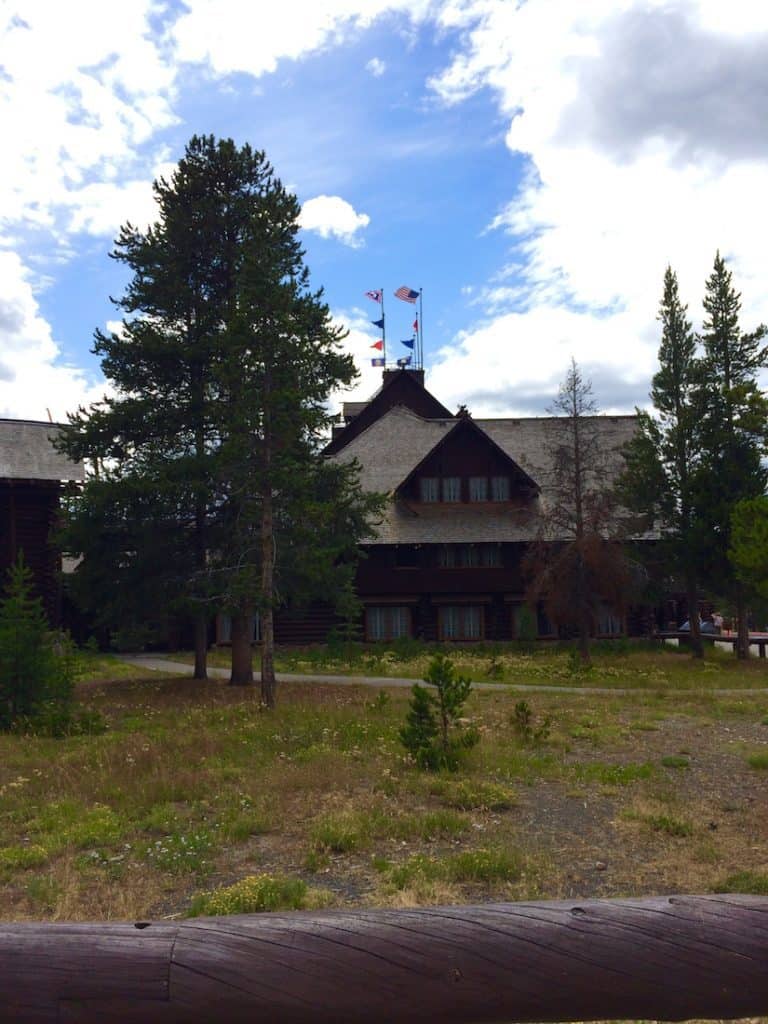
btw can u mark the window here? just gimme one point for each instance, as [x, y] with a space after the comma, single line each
[387, 622]
[478, 488]
[429, 488]
[461, 622]
[499, 488]
[451, 488]
[468, 556]
[608, 622]
[224, 630]
[490, 556]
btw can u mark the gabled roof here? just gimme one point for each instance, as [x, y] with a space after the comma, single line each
[401, 387]
[395, 444]
[462, 425]
[27, 453]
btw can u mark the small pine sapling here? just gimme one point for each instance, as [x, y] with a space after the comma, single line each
[36, 671]
[433, 734]
[523, 724]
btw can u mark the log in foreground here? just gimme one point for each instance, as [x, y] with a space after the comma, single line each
[667, 957]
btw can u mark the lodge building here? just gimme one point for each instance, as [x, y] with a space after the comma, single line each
[464, 501]
[32, 476]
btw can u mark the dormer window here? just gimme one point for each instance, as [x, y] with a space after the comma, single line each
[430, 488]
[478, 488]
[451, 488]
[499, 488]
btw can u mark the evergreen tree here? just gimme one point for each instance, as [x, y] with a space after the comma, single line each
[733, 430]
[748, 552]
[33, 678]
[222, 371]
[662, 458]
[577, 561]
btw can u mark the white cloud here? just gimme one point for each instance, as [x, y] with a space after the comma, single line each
[332, 216]
[32, 380]
[292, 29]
[629, 170]
[83, 87]
[376, 66]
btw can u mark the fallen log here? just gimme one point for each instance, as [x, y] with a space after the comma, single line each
[672, 958]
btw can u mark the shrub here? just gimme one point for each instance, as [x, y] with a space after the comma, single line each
[522, 723]
[433, 734]
[36, 666]
[252, 895]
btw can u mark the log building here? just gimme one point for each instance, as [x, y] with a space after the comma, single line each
[32, 474]
[464, 500]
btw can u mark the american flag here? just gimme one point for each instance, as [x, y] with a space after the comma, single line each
[377, 295]
[406, 294]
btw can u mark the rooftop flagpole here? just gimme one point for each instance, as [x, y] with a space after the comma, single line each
[421, 334]
[383, 329]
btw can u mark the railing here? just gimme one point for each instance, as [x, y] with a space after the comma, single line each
[670, 957]
[683, 636]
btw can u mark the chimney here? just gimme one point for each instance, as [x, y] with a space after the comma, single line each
[417, 374]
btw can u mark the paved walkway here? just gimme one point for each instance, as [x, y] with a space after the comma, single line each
[180, 668]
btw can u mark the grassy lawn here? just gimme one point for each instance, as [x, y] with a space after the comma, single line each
[617, 664]
[194, 800]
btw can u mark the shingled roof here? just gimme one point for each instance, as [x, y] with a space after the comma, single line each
[26, 453]
[392, 446]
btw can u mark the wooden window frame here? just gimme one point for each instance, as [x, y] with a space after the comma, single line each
[463, 637]
[388, 637]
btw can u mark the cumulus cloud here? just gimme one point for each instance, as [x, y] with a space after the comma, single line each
[376, 66]
[32, 378]
[332, 216]
[293, 29]
[630, 115]
[84, 86]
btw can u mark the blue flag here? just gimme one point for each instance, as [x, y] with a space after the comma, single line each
[404, 361]
[377, 362]
[378, 323]
[408, 342]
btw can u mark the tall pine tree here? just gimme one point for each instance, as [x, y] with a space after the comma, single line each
[220, 371]
[662, 458]
[733, 430]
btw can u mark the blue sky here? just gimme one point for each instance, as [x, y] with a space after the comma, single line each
[532, 166]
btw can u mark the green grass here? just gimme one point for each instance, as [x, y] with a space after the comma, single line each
[758, 761]
[485, 865]
[194, 781]
[632, 664]
[755, 882]
[675, 761]
[256, 894]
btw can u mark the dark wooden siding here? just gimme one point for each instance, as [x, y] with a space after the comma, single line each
[28, 513]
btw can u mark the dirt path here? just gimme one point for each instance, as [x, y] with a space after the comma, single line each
[179, 668]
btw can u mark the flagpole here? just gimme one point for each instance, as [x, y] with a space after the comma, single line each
[421, 333]
[383, 330]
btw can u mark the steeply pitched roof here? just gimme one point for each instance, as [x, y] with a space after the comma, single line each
[402, 387]
[26, 453]
[466, 423]
[392, 446]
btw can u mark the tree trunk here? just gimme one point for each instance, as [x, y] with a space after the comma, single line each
[201, 645]
[742, 637]
[692, 596]
[242, 651]
[268, 681]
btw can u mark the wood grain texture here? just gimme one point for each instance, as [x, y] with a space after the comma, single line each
[667, 957]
